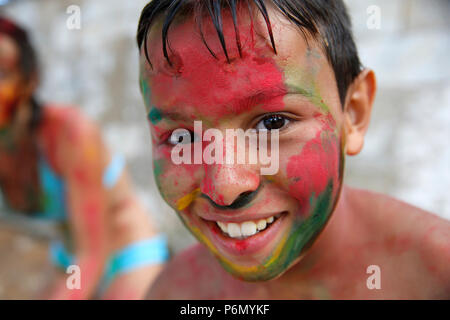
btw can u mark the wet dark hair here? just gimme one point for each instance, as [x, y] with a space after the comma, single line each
[28, 61]
[326, 21]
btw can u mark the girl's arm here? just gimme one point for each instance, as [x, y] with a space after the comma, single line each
[81, 153]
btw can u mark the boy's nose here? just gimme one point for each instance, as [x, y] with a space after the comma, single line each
[230, 186]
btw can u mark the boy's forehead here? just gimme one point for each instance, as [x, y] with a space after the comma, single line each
[198, 79]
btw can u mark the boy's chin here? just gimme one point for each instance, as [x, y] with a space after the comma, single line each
[257, 273]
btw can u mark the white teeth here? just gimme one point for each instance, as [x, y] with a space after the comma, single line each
[234, 230]
[261, 225]
[248, 228]
[245, 229]
[223, 226]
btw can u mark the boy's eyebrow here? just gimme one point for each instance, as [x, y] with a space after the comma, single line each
[250, 100]
[157, 114]
[172, 115]
[261, 95]
[271, 93]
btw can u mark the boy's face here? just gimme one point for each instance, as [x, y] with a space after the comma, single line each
[302, 102]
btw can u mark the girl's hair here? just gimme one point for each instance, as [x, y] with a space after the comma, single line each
[27, 60]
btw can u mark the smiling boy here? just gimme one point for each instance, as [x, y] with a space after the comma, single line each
[289, 66]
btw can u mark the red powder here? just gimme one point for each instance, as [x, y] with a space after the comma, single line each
[314, 167]
[212, 87]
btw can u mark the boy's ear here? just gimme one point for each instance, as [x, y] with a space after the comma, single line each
[357, 110]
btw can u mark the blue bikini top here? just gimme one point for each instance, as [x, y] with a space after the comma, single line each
[54, 190]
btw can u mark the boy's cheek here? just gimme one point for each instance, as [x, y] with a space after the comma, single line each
[307, 168]
[175, 182]
[155, 132]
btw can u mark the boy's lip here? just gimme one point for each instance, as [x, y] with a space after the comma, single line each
[238, 218]
[247, 246]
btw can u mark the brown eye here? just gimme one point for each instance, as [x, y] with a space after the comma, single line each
[272, 122]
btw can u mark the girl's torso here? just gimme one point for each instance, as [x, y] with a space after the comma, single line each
[33, 183]
[28, 179]
[19, 178]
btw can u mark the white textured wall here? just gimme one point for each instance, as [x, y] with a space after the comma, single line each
[407, 150]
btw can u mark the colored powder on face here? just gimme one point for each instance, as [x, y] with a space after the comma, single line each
[208, 186]
[145, 90]
[304, 232]
[312, 95]
[208, 87]
[155, 116]
[319, 169]
[157, 170]
[292, 244]
[215, 88]
[184, 202]
[303, 78]
[144, 87]
[312, 169]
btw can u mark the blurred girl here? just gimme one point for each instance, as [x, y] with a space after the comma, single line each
[54, 165]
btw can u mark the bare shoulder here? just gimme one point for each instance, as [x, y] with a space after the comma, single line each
[70, 122]
[403, 225]
[192, 274]
[395, 214]
[64, 132]
[55, 116]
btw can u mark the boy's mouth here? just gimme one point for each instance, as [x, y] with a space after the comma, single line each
[246, 229]
[249, 236]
